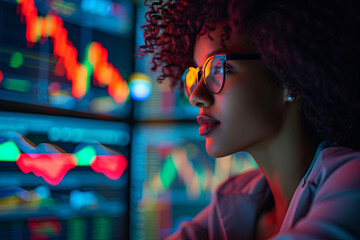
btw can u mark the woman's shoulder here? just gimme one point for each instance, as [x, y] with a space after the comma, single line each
[335, 159]
[337, 171]
[330, 158]
[338, 154]
[327, 196]
[251, 182]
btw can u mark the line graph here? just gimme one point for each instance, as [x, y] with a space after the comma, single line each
[51, 167]
[51, 163]
[95, 62]
[195, 178]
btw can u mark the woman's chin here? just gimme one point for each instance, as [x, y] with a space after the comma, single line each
[216, 150]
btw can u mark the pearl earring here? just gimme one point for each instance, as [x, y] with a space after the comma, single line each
[290, 99]
[287, 96]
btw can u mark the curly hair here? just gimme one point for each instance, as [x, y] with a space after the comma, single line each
[312, 47]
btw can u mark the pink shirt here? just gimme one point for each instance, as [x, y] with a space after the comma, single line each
[325, 205]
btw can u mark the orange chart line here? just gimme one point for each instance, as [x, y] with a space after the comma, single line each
[96, 60]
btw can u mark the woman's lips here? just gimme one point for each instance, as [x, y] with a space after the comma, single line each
[207, 124]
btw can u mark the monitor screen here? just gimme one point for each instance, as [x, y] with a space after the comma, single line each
[173, 178]
[75, 55]
[64, 154]
[63, 178]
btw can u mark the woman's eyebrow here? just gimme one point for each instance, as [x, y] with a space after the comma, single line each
[212, 53]
[215, 52]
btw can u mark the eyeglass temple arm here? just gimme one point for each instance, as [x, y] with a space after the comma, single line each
[242, 56]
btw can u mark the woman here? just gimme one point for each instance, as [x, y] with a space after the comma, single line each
[279, 80]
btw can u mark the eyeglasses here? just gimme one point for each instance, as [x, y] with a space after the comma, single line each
[213, 72]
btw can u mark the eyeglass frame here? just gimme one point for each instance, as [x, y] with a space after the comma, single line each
[227, 57]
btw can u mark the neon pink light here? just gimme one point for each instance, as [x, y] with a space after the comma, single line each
[51, 167]
[111, 166]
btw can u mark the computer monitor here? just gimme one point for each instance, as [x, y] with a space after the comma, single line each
[65, 118]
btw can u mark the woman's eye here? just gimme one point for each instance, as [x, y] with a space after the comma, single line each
[228, 69]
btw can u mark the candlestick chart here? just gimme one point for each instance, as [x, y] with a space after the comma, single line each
[62, 177]
[177, 170]
[174, 178]
[64, 118]
[67, 55]
[96, 60]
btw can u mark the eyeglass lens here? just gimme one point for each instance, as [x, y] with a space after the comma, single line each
[213, 74]
[215, 77]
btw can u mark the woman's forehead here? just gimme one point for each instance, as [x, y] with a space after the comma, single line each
[206, 46]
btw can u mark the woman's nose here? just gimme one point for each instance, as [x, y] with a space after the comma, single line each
[201, 96]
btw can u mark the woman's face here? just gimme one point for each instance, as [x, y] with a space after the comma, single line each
[248, 111]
